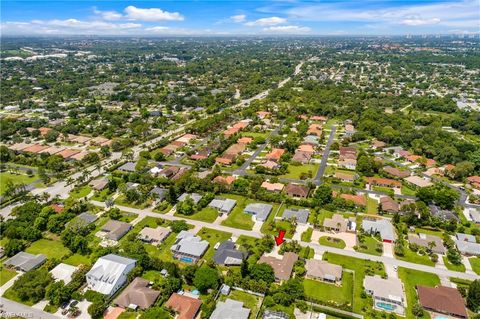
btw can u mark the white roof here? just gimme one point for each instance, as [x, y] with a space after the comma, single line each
[63, 272]
[391, 288]
[108, 271]
[230, 309]
[189, 244]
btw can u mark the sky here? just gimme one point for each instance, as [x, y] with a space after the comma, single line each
[208, 17]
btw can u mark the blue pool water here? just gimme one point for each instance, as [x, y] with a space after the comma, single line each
[186, 259]
[385, 306]
[196, 292]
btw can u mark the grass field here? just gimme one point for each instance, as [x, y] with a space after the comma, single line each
[255, 134]
[6, 274]
[307, 235]
[77, 259]
[163, 250]
[408, 191]
[237, 218]
[340, 295]
[414, 257]
[360, 267]
[295, 172]
[332, 242]
[207, 214]
[80, 192]
[450, 266]
[213, 237]
[410, 279]
[249, 301]
[475, 263]
[372, 206]
[50, 248]
[369, 246]
[16, 179]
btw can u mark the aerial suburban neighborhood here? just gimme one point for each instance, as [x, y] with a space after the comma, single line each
[239, 177]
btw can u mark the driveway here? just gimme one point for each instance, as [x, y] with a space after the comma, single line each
[388, 250]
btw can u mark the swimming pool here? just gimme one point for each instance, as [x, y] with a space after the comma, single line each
[186, 259]
[385, 306]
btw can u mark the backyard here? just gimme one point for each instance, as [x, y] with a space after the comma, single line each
[213, 237]
[207, 214]
[296, 172]
[249, 301]
[50, 248]
[411, 278]
[340, 295]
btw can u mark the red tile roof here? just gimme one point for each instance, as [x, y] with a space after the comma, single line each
[186, 307]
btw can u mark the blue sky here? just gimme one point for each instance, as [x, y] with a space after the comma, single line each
[157, 18]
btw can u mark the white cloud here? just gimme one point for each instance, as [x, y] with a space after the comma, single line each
[287, 29]
[418, 21]
[238, 18]
[151, 14]
[157, 29]
[265, 22]
[108, 15]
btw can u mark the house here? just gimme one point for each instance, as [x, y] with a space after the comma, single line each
[194, 196]
[223, 205]
[300, 215]
[158, 193]
[466, 237]
[389, 205]
[442, 300]
[282, 267]
[82, 220]
[381, 226]
[63, 272]
[467, 245]
[337, 223]
[314, 129]
[228, 255]
[442, 213]
[418, 181]
[344, 177]
[302, 157]
[24, 261]
[312, 140]
[245, 140]
[275, 154]
[324, 271]
[153, 236]
[387, 294]
[272, 187]
[347, 152]
[270, 165]
[138, 294]
[348, 163]
[114, 230]
[382, 182]
[67, 153]
[396, 172]
[230, 154]
[227, 180]
[188, 247]
[185, 307]
[319, 118]
[358, 200]
[306, 148]
[99, 184]
[259, 210]
[230, 309]
[349, 130]
[127, 167]
[378, 144]
[297, 191]
[109, 274]
[169, 172]
[269, 314]
[263, 114]
[474, 181]
[427, 241]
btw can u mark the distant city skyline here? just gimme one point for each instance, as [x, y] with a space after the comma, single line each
[280, 17]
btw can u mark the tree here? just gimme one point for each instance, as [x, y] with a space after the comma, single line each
[58, 293]
[96, 309]
[51, 136]
[263, 272]
[14, 246]
[178, 225]
[31, 285]
[206, 278]
[186, 207]
[322, 196]
[417, 310]
[473, 296]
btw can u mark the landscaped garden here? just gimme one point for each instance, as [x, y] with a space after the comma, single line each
[369, 245]
[332, 242]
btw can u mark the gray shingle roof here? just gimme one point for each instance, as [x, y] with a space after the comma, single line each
[189, 244]
[261, 211]
[194, 196]
[223, 204]
[127, 167]
[25, 261]
[301, 215]
[468, 248]
[382, 226]
[230, 309]
[226, 254]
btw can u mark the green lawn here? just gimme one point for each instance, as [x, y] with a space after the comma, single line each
[213, 237]
[372, 206]
[369, 246]
[122, 201]
[475, 263]
[255, 134]
[295, 172]
[408, 191]
[12, 295]
[339, 295]
[207, 214]
[6, 274]
[332, 242]
[271, 226]
[81, 192]
[414, 257]
[411, 278]
[128, 315]
[322, 215]
[249, 301]
[237, 218]
[450, 266]
[77, 259]
[163, 250]
[429, 231]
[101, 196]
[50, 248]
[361, 267]
[307, 235]
[16, 179]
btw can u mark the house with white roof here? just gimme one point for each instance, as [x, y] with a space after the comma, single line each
[381, 226]
[230, 309]
[109, 273]
[223, 205]
[388, 294]
[188, 247]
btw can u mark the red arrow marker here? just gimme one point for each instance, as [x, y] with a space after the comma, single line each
[279, 239]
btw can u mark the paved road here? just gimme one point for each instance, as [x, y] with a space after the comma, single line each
[318, 248]
[243, 168]
[11, 309]
[373, 192]
[323, 165]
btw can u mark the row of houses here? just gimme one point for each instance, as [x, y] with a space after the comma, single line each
[65, 152]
